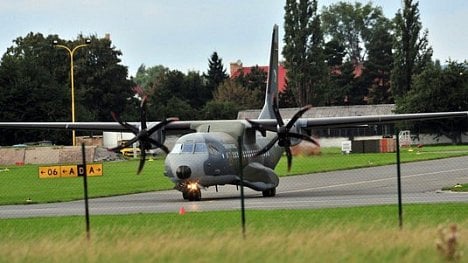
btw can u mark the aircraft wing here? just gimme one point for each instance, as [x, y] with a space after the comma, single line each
[87, 126]
[186, 126]
[337, 122]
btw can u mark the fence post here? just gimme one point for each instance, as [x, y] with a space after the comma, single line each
[241, 175]
[85, 190]
[400, 205]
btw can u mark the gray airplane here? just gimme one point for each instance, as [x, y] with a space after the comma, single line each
[209, 154]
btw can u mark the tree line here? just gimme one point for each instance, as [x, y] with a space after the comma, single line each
[350, 53]
[344, 54]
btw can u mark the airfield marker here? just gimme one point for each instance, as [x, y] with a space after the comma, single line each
[182, 211]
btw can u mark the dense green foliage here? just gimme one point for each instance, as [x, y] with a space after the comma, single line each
[412, 50]
[35, 84]
[439, 89]
[303, 52]
[346, 54]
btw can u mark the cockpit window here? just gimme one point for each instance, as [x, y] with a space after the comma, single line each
[212, 149]
[200, 148]
[190, 147]
[187, 148]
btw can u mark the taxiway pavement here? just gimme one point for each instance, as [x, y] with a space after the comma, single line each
[421, 183]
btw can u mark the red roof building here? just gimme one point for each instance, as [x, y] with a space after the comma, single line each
[236, 68]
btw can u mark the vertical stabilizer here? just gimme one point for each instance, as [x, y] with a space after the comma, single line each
[272, 83]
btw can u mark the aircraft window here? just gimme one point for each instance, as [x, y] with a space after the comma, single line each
[187, 148]
[212, 149]
[200, 148]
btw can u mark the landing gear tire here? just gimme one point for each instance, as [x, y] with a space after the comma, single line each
[185, 195]
[194, 195]
[269, 192]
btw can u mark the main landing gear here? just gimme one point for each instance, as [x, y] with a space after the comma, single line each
[269, 192]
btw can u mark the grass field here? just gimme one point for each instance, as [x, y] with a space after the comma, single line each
[360, 234]
[21, 183]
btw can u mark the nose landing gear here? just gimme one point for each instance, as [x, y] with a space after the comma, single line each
[192, 192]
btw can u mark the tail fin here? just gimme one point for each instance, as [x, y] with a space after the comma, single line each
[272, 84]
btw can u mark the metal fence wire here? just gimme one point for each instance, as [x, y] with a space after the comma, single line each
[326, 177]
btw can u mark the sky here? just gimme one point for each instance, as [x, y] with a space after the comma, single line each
[182, 35]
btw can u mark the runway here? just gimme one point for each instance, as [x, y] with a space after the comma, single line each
[421, 183]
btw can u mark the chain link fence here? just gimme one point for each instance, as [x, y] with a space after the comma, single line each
[326, 177]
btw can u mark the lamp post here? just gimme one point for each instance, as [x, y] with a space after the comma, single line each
[71, 52]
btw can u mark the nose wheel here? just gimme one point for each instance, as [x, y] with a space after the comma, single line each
[192, 195]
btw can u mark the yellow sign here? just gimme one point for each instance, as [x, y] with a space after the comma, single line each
[49, 172]
[69, 171]
[94, 169]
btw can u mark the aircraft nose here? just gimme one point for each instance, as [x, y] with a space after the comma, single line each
[183, 172]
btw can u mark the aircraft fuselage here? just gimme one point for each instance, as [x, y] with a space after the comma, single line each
[212, 158]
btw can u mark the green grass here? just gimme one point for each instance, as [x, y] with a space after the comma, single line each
[20, 183]
[359, 234]
[332, 159]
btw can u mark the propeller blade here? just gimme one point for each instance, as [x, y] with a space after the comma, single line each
[143, 113]
[142, 134]
[289, 156]
[304, 137]
[268, 146]
[125, 145]
[159, 145]
[297, 115]
[132, 128]
[277, 113]
[161, 124]
[257, 127]
[142, 159]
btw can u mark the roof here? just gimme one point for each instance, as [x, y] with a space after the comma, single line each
[331, 111]
[235, 72]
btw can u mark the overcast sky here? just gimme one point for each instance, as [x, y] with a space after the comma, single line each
[183, 34]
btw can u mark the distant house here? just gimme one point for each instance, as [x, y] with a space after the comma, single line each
[236, 68]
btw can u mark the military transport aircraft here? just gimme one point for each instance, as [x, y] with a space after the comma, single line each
[209, 154]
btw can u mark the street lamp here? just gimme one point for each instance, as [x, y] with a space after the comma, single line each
[71, 52]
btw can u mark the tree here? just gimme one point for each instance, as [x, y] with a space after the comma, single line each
[32, 89]
[216, 73]
[255, 81]
[101, 81]
[35, 84]
[379, 63]
[352, 26]
[303, 51]
[230, 91]
[334, 53]
[149, 78]
[412, 51]
[439, 89]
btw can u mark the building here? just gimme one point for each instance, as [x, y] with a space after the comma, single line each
[236, 68]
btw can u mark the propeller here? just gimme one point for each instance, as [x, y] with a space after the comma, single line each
[283, 132]
[142, 134]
